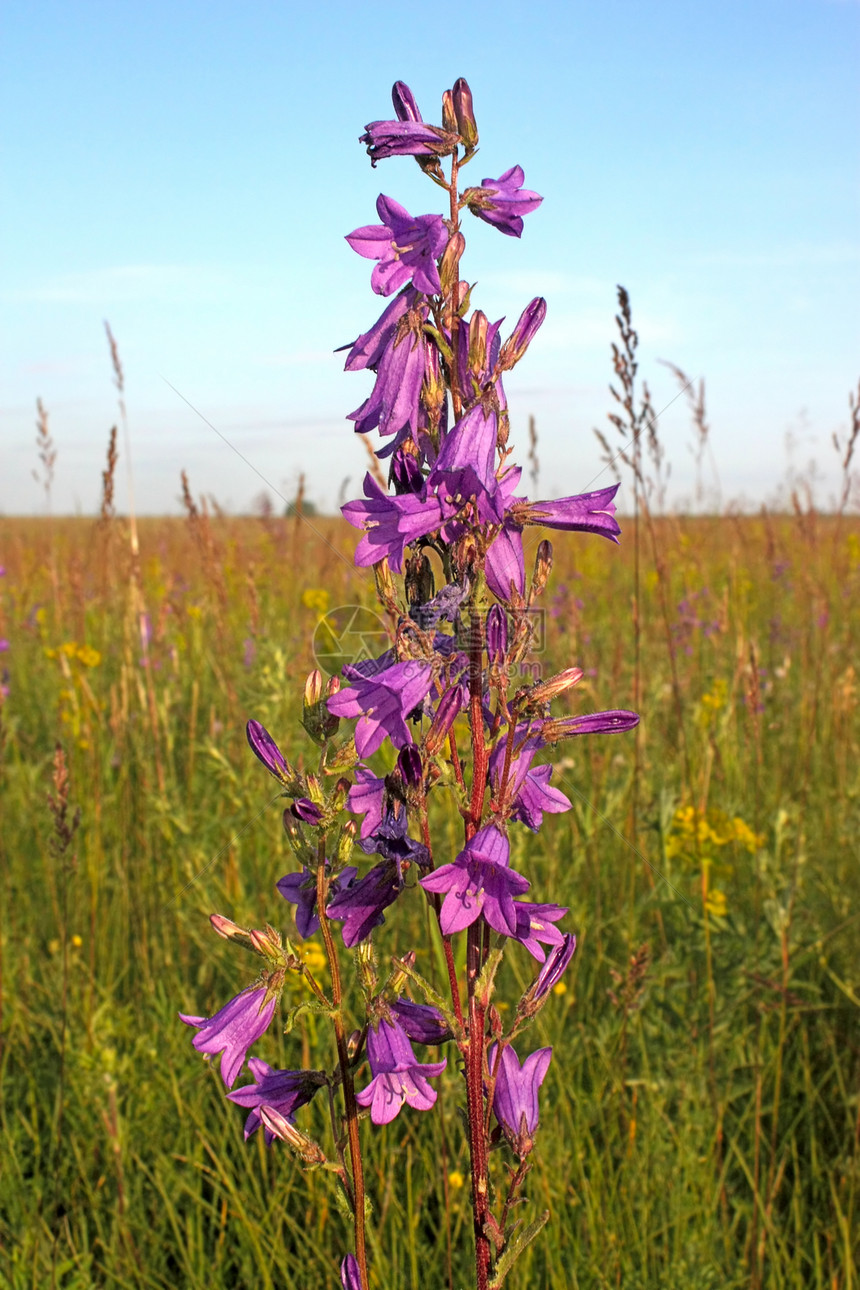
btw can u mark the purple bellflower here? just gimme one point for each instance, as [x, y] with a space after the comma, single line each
[394, 402]
[407, 248]
[267, 751]
[614, 721]
[535, 927]
[466, 464]
[367, 798]
[382, 703]
[528, 788]
[479, 882]
[300, 889]
[233, 1030]
[283, 1091]
[390, 523]
[406, 139]
[515, 1101]
[398, 1076]
[350, 1273]
[359, 906]
[422, 1024]
[503, 201]
[554, 967]
[586, 513]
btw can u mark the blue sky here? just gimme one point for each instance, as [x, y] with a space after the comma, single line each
[187, 171]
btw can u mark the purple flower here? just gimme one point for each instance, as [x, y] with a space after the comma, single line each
[534, 927]
[423, 1024]
[406, 248]
[406, 139]
[368, 349]
[553, 968]
[529, 323]
[359, 905]
[390, 523]
[391, 841]
[505, 567]
[367, 798]
[283, 1091]
[267, 751]
[466, 465]
[350, 1273]
[394, 403]
[587, 513]
[382, 702]
[307, 811]
[497, 635]
[528, 789]
[515, 1101]
[398, 1076]
[615, 721]
[409, 766]
[479, 882]
[233, 1030]
[300, 889]
[503, 201]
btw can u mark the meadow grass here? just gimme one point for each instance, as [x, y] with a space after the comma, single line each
[701, 1122]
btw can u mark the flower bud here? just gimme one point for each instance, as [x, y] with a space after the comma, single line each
[230, 931]
[267, 943]
[406, 474]
[549, 976]
[478, 327]
[353, 1040]
[543, 566]
[309, 1151]
[313, 688]
[449, 117]
[405, 107]
[446, 713]
[345, 842]
[465, 114]
[449, 264]
[530, 322]
[497, 635]
[409, 765]
[385, 588]
[307, 811]
[616, 721]
[267, 751]
[549, 689]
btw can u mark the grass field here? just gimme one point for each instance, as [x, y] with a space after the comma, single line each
[701, 1123]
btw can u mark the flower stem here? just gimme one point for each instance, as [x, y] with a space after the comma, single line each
[350, 1104]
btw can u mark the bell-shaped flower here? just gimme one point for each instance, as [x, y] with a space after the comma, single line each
[515, 1100]
[503, 202]
[233, 1029]
[586, 513]
[479, 883]
[406, 247]
[359, 905]
[528, 789]
[394, 404]
[465, 467]
[283, 1091]
[390, 523]
[423, 1024]
[300, 889]
[535, 927]
[398, 1076]
[382, 702]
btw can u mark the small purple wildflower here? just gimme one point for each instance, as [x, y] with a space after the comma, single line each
[300, 889]
[423, 1024]
[398, 1076]
[350, 1273]
[282, 1091]
[515, 1101]
[407, 248]
[503, 202]
[367, 798]
[479, 883]
[528, 788]
[382, 703]
[267, 751]
[233, 1030]
[359, 905]
[535, 927]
